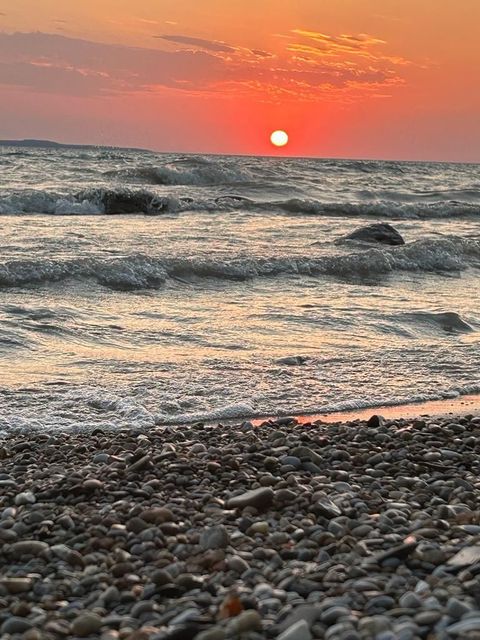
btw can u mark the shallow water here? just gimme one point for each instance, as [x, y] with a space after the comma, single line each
[188, 310]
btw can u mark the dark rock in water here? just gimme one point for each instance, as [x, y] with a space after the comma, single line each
[133, 202]
[382, 233]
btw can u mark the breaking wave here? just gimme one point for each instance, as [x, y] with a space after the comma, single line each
[198, 172]
[140, 271]
[98, 201]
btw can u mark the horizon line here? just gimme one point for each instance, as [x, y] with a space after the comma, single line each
[45, 143]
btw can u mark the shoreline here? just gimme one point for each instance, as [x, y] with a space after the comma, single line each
[459, 406]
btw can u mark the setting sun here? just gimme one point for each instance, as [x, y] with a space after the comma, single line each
[279, 138]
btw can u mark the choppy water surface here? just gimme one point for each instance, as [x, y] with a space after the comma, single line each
[140, 288]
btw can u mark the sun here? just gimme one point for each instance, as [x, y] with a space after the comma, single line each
[279, 138]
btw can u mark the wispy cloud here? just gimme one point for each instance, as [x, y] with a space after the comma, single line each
[209, 45]
[53, 63]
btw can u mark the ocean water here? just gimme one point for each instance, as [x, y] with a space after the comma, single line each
[140, 288]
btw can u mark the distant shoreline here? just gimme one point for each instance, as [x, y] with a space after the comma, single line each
[32, 143]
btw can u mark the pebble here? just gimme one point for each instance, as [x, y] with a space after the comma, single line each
[456, 609]
[410, 600]
[238, 564]
[158, 535]
[259, 498]
[28, 548]
[14, 624]
[17, 585]
[297, 631]
[214, 538]
[464, 626]
[26, 497]
[86, 624]
[246, 621]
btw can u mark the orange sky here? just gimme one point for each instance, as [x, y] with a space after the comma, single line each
[349, 78]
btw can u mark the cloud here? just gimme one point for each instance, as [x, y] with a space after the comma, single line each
[210, 45]
[47, 62]
[344, 42]
[261, 54]
[56, 63]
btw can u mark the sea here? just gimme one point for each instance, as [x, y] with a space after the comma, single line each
[141, 289]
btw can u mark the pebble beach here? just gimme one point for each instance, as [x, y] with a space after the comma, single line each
[352, 531]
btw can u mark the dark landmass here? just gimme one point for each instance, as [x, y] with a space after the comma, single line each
[50, 144]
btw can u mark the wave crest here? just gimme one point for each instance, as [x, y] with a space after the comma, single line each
[140, 271]
[117, 201]
[183, 172]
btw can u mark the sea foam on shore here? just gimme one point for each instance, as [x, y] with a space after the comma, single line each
[353, 530]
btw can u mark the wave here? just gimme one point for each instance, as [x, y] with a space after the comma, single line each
[199, 172]
[448, 321]
[98, 201]
[245, 411]
[382, 208]
[140, 271]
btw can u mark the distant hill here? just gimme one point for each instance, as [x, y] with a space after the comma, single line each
[50, 144]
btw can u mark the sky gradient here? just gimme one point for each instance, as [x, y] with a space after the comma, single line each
[345, 78]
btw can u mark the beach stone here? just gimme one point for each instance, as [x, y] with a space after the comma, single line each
[375, 421]
[198, 447]
[28, 548]
[158, 515]
[464, 626]
[237, 564]
[465, 557]
[143, 463]
[111, 594]
[15, 624]
[331, 615]
[86, 624]
[306, 612]
[32, 634]
[427, 618]
[215, 633]
[214, 538]
[259, 527]
[261, 499]
[298, 631]
[457, 609]
[292, 461]
[137, 525]
[66, 522]
[246, 621]
[185, 616]
[410, 600]
[161, 577]
[17, 585]
[327, 508]
[27, 497]
[93, 484]
[308, 454]
[371, 626]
